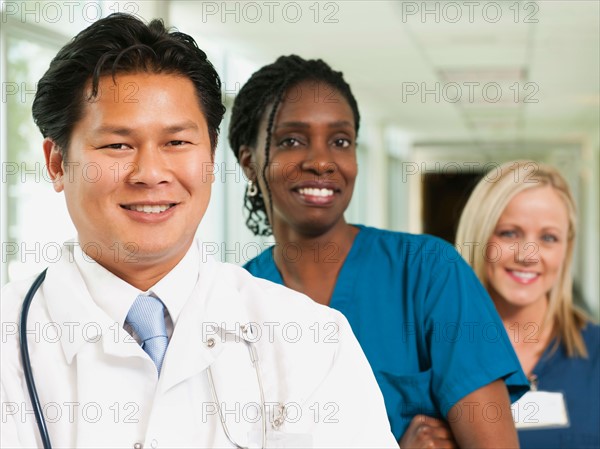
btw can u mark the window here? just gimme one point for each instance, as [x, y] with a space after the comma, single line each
[28, 243]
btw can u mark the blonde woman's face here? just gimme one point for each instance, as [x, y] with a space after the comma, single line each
[527, 248]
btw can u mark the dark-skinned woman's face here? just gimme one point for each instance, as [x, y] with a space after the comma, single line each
[312, 166]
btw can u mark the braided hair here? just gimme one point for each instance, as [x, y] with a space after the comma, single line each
[267, 87]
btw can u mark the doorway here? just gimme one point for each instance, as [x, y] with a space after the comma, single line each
[444, 196]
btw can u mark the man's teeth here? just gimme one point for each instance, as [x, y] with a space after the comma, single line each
[315, 192]
[149, 209]
[524, 275]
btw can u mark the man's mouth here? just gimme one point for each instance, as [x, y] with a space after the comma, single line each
[148, 208]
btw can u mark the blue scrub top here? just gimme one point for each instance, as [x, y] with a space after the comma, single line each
[424, 321]
[579, 380]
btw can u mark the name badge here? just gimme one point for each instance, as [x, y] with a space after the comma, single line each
[540, 409]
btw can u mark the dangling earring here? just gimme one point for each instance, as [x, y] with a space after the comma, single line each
[251, 190]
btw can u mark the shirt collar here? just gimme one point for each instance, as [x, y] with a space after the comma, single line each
[176, 287]
[115, 296]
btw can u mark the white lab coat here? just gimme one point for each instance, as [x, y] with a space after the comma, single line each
[98, 388]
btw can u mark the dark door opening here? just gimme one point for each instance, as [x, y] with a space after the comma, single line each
[444, 197]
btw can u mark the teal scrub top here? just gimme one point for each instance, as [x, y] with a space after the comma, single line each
[426, 324]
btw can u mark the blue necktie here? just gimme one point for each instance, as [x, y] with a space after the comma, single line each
[147, 317]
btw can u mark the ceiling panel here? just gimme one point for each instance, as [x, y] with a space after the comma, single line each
[545, 51]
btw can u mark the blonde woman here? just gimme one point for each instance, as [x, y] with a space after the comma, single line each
[517, 231]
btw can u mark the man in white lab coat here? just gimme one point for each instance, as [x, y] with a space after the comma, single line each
[136, 338]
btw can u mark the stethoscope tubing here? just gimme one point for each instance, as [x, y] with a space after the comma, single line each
[263, 413]
[27, 371]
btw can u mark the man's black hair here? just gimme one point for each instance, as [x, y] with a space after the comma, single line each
[120, 43]
[267, 87]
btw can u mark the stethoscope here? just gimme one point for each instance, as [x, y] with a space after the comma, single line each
[37, 406]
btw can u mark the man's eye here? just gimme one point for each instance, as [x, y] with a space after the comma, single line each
[116, 146]
[177, 142]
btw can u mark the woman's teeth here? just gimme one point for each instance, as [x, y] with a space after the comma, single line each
[149, 209]
[316, 192]
[524, 275]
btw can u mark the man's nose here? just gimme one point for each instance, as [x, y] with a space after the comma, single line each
[150, 167]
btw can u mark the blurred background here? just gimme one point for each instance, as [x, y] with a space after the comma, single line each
[448, 90]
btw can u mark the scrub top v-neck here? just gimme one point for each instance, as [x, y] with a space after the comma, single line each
[578, 379]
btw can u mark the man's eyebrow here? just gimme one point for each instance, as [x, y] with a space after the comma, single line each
[119, 130]
[184, 126]
[124, 131]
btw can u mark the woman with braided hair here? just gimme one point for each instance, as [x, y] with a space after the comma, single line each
[436, 345]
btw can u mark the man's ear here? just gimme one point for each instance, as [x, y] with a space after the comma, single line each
[54, 164]
[248, 162]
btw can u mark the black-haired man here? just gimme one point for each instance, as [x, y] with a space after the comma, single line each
[150, 344]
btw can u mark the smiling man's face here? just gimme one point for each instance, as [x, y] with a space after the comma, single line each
[139, 170]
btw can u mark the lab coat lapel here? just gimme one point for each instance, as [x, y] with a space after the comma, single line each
[80, 319]
[212, 303]
[102, 388]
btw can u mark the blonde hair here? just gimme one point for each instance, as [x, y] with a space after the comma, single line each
[478, 221]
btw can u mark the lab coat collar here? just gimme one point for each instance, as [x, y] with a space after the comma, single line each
[72, 309]
[215, 301]
[115, 296]
[175, 288]
[112, 294]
